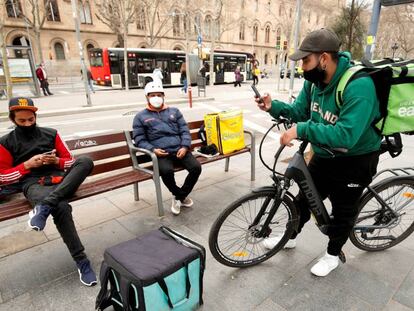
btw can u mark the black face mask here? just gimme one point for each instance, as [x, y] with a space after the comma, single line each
[26, 130]
[315, 75]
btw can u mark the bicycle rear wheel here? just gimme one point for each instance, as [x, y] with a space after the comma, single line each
[378, 228]
[235, 242]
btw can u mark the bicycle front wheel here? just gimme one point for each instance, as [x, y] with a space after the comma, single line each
[235, 242]
[378, 227]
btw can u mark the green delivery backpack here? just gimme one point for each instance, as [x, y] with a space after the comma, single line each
[394, 84]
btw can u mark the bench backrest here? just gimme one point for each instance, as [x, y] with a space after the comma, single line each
[109, 152]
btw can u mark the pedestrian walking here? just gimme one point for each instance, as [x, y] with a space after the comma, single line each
[183, 78]
[42, 77]
[237, 77]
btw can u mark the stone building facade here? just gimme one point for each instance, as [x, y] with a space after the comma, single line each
[255, 26]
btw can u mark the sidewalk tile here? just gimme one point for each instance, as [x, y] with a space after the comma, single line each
[395, 306]
[304, 292]
[95, 212]
[269, 305]
[405, 294]
[18, 237]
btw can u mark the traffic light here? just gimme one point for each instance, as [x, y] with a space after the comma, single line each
[395, 2]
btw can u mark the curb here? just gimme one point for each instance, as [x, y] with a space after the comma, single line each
[97, 108]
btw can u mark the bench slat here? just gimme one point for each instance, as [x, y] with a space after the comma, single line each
[106, 153]
[85, 142]
[195, 124]
[111, 166]
[20, 207]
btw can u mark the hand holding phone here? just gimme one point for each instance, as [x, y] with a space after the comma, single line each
[49, 152]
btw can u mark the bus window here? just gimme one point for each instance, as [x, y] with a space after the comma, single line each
[176, 65]
[114, 63]
[145, 65]
[96, 59]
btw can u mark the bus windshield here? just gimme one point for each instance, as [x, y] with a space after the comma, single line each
[95, 59]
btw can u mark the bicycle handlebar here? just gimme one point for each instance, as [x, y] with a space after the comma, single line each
[287, 123]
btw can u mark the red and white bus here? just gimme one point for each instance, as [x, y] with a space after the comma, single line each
[107, 66]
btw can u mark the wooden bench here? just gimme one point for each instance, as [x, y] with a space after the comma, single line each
[113, 169]
[141, 162]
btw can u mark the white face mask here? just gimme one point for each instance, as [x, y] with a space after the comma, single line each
[156, 101]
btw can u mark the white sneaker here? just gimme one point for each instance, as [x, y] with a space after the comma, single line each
[325, 265]
[270, 243]
[176, 206]
[187, 202]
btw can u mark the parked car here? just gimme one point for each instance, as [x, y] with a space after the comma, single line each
[298, 73]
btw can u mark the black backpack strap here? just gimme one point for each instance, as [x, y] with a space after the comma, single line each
[103, 300]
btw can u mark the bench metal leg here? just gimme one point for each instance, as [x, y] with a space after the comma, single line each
[136, 192]
[226, 166]
[157, 183]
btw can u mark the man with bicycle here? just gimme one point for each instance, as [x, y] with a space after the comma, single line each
[319, 120]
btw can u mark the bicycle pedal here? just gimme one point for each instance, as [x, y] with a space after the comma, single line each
[342, 257]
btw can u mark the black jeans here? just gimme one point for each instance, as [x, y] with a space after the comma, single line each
[342, 180]
[56, 196]
[45, 87]
[255, 80]
[166, 166]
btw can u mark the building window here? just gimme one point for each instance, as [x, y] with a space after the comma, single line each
[52, 11]
[309, 17]
[85, 12]
[176, 24]
[278, 38]
[317, 19]
[207, 26]
[241, 32]
[266, 59]
[255, 31]
[256, 2]
[276, 59]
[243, 3]
[59, 51]
[290, 13]
[280, 10]
[14, 8]
[267, 34]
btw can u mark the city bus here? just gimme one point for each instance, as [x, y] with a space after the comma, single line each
[107, 66]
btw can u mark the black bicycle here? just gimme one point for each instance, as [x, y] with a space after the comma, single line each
[386, 212]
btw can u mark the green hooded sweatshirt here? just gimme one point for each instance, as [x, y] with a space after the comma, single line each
[350, 127]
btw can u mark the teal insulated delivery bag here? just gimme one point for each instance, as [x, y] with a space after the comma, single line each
[159, 271]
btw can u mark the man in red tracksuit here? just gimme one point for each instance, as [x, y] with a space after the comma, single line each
[36, 160]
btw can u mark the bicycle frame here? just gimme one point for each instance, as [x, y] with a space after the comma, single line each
[297, 171]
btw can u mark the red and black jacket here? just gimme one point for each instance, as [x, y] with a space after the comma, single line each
[18, 147]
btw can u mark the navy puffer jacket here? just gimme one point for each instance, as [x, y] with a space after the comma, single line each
[165, 129]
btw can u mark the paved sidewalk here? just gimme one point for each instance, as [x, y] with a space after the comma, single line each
[37, 273]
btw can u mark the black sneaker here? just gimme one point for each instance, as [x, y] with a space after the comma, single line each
[86, 274]
[38, 216]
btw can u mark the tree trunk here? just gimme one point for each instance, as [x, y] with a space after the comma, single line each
[6, 71]
[351, 25]
[126, 60]
[120, 39]
[39, 59]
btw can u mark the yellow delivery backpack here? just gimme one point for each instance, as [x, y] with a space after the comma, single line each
[225, 130]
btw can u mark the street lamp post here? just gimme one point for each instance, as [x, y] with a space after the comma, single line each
[394, 48]
[82, 60]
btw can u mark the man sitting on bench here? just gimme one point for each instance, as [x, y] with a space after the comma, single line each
[37, 160]
[163, 130]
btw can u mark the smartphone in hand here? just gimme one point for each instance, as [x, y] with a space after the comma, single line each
[256, 93]
[49, 152]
